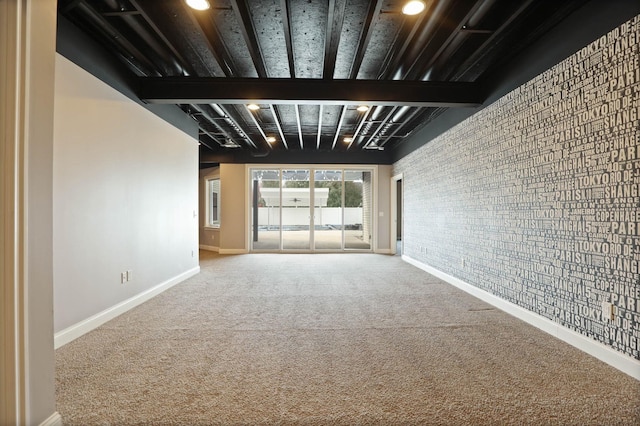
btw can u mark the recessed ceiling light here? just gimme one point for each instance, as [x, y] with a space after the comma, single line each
[271, 139]
[198, 4]
[253, 107]
[348, 139]
[363, 108]
[413, 7]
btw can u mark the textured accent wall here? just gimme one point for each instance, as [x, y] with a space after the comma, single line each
[536, 198]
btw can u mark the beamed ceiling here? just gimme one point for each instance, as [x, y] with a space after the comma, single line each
[309, 64]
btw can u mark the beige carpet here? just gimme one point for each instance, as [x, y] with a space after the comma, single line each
[330, 339]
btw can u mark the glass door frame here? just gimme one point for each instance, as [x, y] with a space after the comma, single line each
[373, 169]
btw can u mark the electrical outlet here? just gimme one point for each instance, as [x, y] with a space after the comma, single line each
[608, 311]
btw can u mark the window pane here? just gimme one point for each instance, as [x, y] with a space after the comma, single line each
[296, 208]
[328, 209]
[214, 201]
[265, 211]
[358, 209]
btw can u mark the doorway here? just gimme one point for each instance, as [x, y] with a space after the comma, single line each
[300, 209]
[396, 215]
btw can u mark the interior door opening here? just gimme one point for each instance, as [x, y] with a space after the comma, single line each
[396, 215]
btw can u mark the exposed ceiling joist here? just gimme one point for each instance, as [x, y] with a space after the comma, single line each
[193, 90]
[212, 64]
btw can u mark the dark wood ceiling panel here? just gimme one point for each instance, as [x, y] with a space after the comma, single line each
[173, 23]
[288, 120]
[355, 36]
[330, 117]
[308, 28]
[267, 19]
[384, 33]
[248, 32]
[226, 22]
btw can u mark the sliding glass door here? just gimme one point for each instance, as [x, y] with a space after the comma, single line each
[296, 210]
[301, 209]
[327, 214]
[265, 209]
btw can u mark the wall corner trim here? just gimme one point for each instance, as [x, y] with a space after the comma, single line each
[73, 332]
[53, 420]
[209, 248]
[596, 349]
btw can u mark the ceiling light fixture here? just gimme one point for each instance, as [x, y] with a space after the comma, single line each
[413, 7]
[253, 107]
[363, 108]
[198, 4]
[348, 139]
[271, 139]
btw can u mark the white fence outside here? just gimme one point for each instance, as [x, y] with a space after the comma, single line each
[269, 216]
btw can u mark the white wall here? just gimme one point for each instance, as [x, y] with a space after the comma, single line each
[233, 205]
[383, 203]
[125, 198]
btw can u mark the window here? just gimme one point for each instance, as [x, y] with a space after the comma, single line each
[213, 202]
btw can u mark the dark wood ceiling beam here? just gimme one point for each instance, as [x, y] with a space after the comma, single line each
[438, 34]
[357, 132]
[471, 62]
[177, 57]
[276, 120]
[339, 127]
[213, 38]
[186, 90]
[319, 127]
[286, 26]
[403, 41]
[249, 34]
[365, 37]
[456, 37]
[258, 126]
[299, 124]
[126, 49]
[335, 19]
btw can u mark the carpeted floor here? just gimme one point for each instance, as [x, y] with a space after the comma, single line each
[330, 339]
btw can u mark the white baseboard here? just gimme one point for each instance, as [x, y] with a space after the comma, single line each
[53, 420]
[383, 251]
[209, 248]
[73, 332]
[604, 353]
[233, 251]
